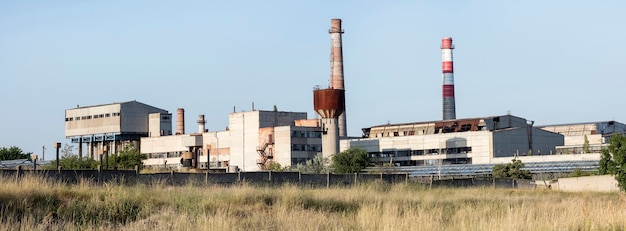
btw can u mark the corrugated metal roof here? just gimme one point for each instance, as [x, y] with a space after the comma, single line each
[485, 169]
[12, 164]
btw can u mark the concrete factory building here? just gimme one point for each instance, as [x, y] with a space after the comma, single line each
[109, 127]
[597, 135]
[251, 142]
[459, 141]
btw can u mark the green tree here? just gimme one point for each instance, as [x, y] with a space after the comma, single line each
[13, 153]
[352, 160]
[586, 146]
[128, 158]
[511, 170]
[613, 160]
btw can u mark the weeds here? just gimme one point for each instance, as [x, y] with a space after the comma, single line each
[33, 202]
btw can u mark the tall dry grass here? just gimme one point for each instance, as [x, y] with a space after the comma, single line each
[27, 203]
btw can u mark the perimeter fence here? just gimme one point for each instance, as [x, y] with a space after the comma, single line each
[260, 178]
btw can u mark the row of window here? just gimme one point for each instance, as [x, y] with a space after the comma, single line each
[306, 147]
[399, 153]
[306, 134]
[92, 116]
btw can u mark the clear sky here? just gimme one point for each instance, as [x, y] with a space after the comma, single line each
[547, 61]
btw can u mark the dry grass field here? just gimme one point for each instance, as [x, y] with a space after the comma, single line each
[33, 203]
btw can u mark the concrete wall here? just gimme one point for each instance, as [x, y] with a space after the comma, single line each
[79, 126]
[160, 124]
[163, 144]
[604, 183]
[217, 145]
[244, 138]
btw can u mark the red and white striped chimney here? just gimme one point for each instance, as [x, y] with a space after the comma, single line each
[336, 67]
[449, 111]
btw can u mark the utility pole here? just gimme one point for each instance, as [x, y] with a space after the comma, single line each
[57, 146]
[43, 152]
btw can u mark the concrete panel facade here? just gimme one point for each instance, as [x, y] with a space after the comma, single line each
[160, 124]
[128, 117]
[79, 121]
[217, 146]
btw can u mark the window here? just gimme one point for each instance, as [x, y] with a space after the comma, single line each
[107, 115]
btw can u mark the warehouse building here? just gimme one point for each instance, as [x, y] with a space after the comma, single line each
[458, 141]
[108, 127]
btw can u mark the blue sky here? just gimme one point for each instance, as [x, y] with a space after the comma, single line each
[547, 61]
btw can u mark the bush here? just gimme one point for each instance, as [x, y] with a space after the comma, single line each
[352, 160]
[511, 170]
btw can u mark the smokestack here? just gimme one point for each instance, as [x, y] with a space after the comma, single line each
[201, 123]
[449, 111]
[336, 68]
[180, 121]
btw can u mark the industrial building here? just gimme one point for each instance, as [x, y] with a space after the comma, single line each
[251, 142]
[255, 139]
[108, 127]
[596, 134]
[459, 141]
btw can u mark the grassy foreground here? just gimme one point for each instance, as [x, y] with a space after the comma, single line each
[34, 203]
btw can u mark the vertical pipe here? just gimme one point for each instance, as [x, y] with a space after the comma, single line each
[336, 67]
[180, 121]
[201, 123]
[449, 111]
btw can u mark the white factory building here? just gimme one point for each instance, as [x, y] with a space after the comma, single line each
[111, 126]
[252, 140]
[458, 141]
